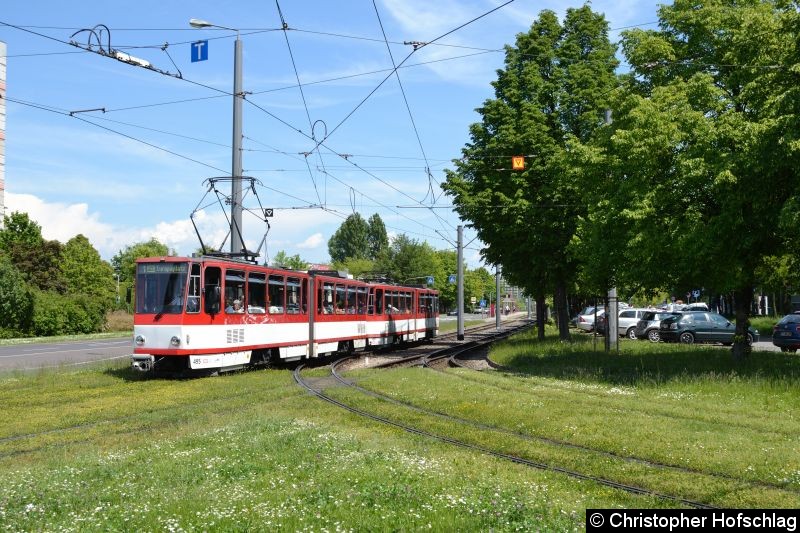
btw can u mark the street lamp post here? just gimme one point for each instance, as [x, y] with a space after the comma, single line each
[237, 244]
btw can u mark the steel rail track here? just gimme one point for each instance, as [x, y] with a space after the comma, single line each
[428, 356]
[551, 441]
[494, 453]
[666, 466]
[550, 386]
[122, 418]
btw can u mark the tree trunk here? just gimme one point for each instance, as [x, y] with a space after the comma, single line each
[743, 301]
[540, 318]
[560, 302]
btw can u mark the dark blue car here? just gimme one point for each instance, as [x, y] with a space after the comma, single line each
[786, 333]
[699, 326]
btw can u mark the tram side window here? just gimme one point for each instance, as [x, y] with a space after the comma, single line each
[371, 301]
[212, 282]
[304, 296]
[351, 300]
[293, 296]
[277, 295]
[392, 302]
[379, 301]
[234, 291]
[361, 307]
[256, 293]
[407, 303]
[341, 302]
[325, 299]
[193, 298]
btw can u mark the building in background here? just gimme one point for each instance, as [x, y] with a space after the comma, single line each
[2, 131]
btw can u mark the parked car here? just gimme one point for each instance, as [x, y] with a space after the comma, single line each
[697, 306]
[585, 320]
[647, 326]
[786, 333]
[627, 320]
[700, 326]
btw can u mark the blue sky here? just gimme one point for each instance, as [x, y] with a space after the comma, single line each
[137, 170]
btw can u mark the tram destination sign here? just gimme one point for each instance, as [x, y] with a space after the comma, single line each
[163, 268]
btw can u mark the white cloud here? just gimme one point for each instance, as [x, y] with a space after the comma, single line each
[312, 242]
[290, 229]
[427, 19]
[61, 221]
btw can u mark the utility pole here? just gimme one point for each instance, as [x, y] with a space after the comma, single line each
[612, 314]
[460, 285]
[237, 243]
[497, 298]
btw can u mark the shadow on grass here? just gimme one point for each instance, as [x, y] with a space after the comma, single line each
[640, 362]
[127, 373]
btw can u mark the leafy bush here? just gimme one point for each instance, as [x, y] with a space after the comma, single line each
[58, 314]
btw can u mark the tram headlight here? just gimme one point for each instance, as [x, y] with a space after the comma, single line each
[175, 341]
[139, 340]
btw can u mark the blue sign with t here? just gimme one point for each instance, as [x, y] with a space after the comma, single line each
[199, 51]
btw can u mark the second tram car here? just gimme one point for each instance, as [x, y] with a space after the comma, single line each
[215, 314]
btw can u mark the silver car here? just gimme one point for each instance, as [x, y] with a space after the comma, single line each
[628, 318]
[585, 319]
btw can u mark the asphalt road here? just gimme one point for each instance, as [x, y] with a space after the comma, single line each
[63, 354]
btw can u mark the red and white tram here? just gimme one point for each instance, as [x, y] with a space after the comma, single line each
[209, 313]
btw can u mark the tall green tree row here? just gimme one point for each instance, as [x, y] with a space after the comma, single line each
[696, 179]
[692, 184]
[553, 91]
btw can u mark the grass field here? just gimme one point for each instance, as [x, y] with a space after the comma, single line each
[104, 449]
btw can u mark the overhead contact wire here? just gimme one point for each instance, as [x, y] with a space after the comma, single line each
[410, 116]
[285, 27]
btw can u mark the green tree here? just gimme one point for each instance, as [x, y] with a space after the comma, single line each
[124, 262]
[86, 273]
[37, 259]
[294, 262]
[40, 265]
[377, 239]
[407, 260]
[356, 267]
[478, 283]
[552, 93]
[16, 301]
[446, 264]
[351, 240]
[19, 228]
[700, 164]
